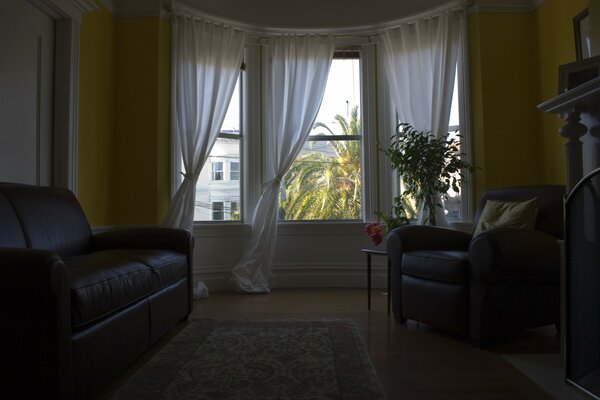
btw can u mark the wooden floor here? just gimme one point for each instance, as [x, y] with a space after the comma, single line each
[413, 361]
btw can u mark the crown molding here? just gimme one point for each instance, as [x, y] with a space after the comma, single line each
[109, 5]
[138, 8]
[504, 6]
[73, 9]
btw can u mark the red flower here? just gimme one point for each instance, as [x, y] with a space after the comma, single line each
[373, 230]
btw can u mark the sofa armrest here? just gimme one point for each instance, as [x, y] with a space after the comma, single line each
[35, 311]
[505, 255]
[144, 238]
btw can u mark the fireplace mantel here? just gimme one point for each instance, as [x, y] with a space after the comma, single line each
[580, 108]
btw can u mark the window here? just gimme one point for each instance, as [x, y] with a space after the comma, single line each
[217, 171]
[324, 182]
[340, 174]
[453, 205]
[234, 171]
[215, 181]
[217, 211]
[234, 211]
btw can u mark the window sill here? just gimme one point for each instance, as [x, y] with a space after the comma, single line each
[288, 228]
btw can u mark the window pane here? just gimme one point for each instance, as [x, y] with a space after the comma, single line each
[231, 124]
[217, 171]
[454, 120]
[453, 203]
[234, 171]
[218, 188]
[342, 94]
[217, 211]
[324, 182]
[216, 184]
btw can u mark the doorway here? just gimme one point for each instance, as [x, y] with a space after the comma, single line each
[26, 94]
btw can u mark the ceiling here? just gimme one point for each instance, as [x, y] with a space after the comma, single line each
[315, 14]
[338, 15]
[312, 13]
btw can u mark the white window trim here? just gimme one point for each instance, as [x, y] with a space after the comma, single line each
[464, 114]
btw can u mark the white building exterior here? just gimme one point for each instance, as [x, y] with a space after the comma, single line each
[218, 187]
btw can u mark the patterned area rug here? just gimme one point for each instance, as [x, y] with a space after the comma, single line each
[289, 359]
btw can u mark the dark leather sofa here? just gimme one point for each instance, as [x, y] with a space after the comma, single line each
[486, 287]
[77, 307]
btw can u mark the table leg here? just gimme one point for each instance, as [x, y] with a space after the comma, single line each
[389, 284]
[369, 282]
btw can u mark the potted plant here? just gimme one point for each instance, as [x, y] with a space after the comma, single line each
[428, 166]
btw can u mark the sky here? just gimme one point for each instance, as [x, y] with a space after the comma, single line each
[341, 94]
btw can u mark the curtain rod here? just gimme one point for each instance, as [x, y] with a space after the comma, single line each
[342, 33]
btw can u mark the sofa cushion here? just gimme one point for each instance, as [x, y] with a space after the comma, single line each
[444, 266]
[105, 281]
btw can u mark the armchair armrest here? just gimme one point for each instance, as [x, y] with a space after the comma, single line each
[36, 312]
[144, 238]
[422, 237]
[516, 256]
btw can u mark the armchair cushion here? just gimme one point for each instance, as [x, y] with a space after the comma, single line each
[513, 214]
[443, 266]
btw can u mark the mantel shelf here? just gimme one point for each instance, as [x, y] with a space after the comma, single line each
[579, 98]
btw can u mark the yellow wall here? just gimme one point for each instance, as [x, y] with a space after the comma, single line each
[513, 60]
[163, 137]
[142, 148]
[124, 117]
[504, 127]
[556, 43]
[97, 117]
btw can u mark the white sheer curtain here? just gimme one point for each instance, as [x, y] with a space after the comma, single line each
[295, 82]
[420, 64]
[206, 61]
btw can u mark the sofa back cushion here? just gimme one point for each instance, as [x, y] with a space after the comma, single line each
[50, 218]
[11, 234]
[549, 199]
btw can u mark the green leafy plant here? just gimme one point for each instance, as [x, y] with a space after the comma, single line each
[429, 166]
[322, 186]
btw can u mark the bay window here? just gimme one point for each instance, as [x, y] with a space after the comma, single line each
[340, 175]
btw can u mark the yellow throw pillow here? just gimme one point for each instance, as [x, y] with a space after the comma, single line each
[508, 214]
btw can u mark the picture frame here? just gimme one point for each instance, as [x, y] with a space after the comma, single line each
[576, 73]
[581, 27]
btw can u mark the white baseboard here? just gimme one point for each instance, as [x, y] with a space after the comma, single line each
[216, 278]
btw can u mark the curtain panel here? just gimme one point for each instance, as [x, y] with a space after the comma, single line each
[420, 59]
[295, 80]
[206, 61]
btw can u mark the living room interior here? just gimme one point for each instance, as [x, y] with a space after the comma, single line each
[125, 167]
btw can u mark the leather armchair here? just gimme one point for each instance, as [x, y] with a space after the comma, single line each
[500, 282]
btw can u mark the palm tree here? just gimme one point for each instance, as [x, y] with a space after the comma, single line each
[326, 184]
